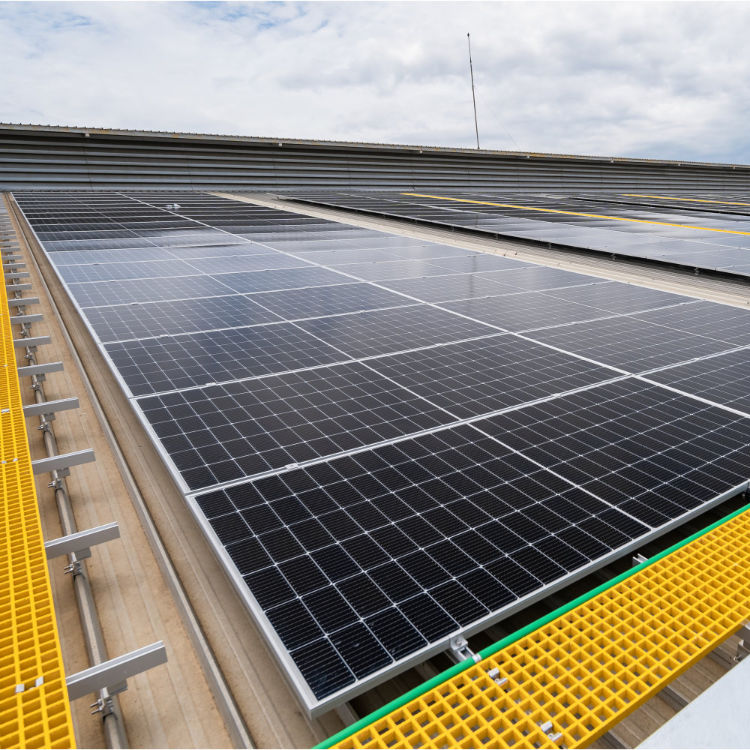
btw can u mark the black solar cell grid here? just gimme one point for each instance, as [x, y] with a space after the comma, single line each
[126, 270]
[393, 269]
[484, 375]
[173, 362]
[369, 334]
[446, 288]
[406, 579]
[223, 433]
[242, 263]
[724, 379]
[150, 319]
[538, 278]
[242, 248]
[328, 300]
[631, 343]
[78, 257]
[709, 319]
[653, 453]
[292, 278]
[523, 312]
[613, 225]
[616, 298]
[99, 293]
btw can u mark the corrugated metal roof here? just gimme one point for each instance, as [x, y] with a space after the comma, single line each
[261, 140]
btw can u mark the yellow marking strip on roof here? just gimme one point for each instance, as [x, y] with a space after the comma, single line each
[691, 200]
[574, 213]
[570, 680]
[34, 706]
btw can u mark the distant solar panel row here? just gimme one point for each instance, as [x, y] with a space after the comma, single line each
[390, 441]
[710, 234]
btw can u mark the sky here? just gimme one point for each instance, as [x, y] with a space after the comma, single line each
[654, 80]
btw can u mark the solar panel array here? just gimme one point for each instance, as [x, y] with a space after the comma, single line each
[711, 233]
[388, 441]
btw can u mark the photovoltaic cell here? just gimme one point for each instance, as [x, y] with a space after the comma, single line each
[488, 374]
[523, 312]
[173, 362]
[724, 379]
[102, 293]
[293, 278]
[151, 319]
[653, 453]
[432, 583]
[372, 333]
[630, 343]
[329, 300]
[223, 433]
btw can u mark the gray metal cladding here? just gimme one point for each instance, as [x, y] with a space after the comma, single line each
[39, 158]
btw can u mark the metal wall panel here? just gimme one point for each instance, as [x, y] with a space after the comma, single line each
[45, 157]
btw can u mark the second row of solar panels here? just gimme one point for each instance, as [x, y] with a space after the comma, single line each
[697, 234]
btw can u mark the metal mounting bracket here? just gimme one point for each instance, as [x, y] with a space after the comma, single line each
[22, 301]
[42, 369]
[112, 674]
[32, 341]
[460, 651]
[62, 462]
[80, 542]
[19, 320]
[47, 409]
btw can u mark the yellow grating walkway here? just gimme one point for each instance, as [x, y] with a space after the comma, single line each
[39, 714]
[569, 681]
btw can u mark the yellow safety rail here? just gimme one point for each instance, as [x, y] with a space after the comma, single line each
[567, 682]
[34, 706]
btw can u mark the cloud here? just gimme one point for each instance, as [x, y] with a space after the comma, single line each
[626, 79]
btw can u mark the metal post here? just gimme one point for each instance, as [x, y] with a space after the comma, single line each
[473, 96]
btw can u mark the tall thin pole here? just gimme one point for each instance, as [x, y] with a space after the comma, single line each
[473, 96]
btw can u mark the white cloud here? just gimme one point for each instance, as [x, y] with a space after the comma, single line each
[634, 79]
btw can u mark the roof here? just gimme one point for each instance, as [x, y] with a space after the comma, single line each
[258, 140]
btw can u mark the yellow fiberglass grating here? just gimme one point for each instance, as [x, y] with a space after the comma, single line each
[571, 680]
[34, 706]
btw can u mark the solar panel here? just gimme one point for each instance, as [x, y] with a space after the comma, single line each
[395, 269]
[151, 319]
[650, 452]
[723, 379]
[171, 362]
[125, 270]
[292, 278]
[616, 298]
[323, 301]
[632, 343]
[524, 312]
[419, 539]
[394, 467]
[99, 293]
[692, 235]
[447, 288]
[369, 334]
[488, 374]
[248, 427]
